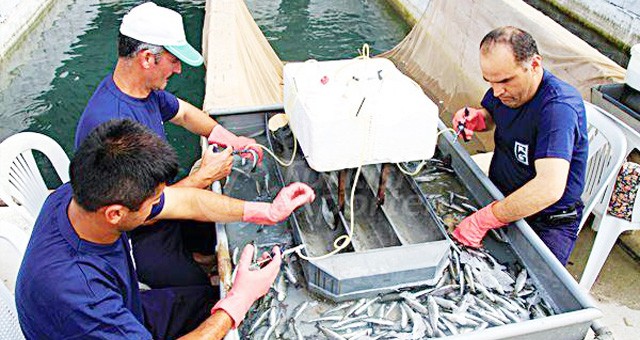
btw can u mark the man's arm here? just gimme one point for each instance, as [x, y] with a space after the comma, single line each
[214, 327]
[540, 192]
[200, 205]
[214, 166]
[193, 119]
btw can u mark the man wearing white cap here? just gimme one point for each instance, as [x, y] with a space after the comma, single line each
[151, 48]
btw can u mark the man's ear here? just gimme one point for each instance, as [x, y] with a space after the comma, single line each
[146, 58]
[115, 213]
[536, 61]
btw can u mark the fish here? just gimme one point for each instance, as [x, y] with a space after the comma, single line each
[337, 308]
[280, 287]
[299, 309]
[353, 308]
[288, 272]
[295, 329]
[259, 321]
[325, 318]
[364, 307]
[520, 281]
[327, 215]
[469, 277]
[434, 312]
[412, 302]
[330, 334]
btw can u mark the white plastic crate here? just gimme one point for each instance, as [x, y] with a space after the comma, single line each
[346, 113]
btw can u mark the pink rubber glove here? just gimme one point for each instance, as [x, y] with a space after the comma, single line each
[223, 137]
[249, 285]
[473, 122]
[472, 229]
[289, 198]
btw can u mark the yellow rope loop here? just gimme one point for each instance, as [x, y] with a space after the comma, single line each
[365, 51]
[280, 161]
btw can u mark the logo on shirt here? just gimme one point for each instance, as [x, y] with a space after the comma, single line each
[521, 152]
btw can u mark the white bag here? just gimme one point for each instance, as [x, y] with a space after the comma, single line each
[348, 113]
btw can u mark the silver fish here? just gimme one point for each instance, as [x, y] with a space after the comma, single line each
[326, 318]
[337, 308]
[520, 281]
[330, 334]
[379, 321]
[434, 312]
[413, 303]
[353, 308]
[289, 273]
[364, 307]
[259, 320]
[296, 331]
[327, 215]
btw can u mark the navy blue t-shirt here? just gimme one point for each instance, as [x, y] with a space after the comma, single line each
[71, 288]
[552, 124]
[108, 103]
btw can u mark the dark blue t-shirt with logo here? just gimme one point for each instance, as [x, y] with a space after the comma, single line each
[552, 124]
[108, 103]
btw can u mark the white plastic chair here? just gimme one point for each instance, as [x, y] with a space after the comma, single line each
[21, 184]
[17, 237]
[607, 152]
[9, 324]
[610, 227]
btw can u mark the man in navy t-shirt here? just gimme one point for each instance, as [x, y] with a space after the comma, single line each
[541, 144]
[77, 279]
[151, 47]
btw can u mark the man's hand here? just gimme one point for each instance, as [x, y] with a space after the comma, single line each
[215, 165]
[473, 121]
[223, 137]
[249, 285]
[472, 229]
[287, 200]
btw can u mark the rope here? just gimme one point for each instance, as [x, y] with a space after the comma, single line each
[422, 164]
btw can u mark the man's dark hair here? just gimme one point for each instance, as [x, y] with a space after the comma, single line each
[520, 42]
[120, 162]
[128, 47]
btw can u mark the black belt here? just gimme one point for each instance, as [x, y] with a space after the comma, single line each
[559, 217]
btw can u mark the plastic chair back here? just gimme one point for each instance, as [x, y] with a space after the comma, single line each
[9, 324]
[607, 151]
[21, 184]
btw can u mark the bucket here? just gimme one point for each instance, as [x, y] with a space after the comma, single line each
[633, 70]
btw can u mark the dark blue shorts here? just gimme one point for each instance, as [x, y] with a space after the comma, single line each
[560, 239]
[172, 312]
[163, 252]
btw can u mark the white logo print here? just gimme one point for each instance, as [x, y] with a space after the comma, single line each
[521, 152]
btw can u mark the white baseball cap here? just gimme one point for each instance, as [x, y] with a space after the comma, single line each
[157, 25]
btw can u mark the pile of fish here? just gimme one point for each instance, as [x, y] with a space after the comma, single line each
[474, 292]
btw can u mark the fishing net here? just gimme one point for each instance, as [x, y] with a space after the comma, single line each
[242, 68]
[441, 53]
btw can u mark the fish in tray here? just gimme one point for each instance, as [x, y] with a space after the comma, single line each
[475, 292]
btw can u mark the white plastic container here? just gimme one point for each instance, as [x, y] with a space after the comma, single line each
[633, 70]
[346, 113]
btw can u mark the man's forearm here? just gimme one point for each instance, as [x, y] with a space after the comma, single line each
[200, 205]
[192, 181]
[542, 191]
[194, 119]
[215, 327]
[526, 201]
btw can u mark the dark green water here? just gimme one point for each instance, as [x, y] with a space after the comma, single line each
[47, 82]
